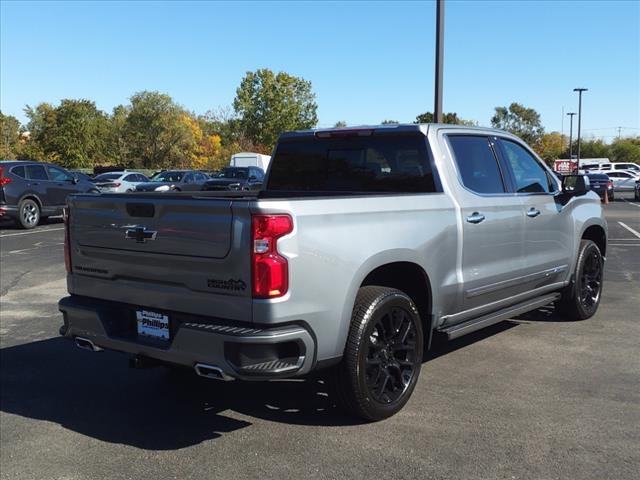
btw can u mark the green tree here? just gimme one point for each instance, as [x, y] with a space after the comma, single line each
[625, 150]
[519, 120]
[268, 104]
[71, 134]
[550, 147]
[340, 124]
[10, 137]
[155, 131]
[593, 148]
[390, 122]
[450, 118]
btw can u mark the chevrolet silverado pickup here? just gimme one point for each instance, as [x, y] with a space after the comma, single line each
[362, 245]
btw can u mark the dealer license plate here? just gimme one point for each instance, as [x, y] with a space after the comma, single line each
[153, 324]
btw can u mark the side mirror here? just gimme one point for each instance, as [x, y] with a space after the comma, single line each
[575, 185]
[74, 179]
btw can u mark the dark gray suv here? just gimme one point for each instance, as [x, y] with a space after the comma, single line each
[31, 191]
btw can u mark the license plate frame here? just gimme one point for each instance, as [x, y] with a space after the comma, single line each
[153, 325]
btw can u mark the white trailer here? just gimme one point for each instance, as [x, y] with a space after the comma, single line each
[250, 159]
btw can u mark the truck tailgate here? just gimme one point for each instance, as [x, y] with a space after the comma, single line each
[173, 252]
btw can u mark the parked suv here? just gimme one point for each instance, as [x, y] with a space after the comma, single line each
[236, 178]
[32, 191]
[174, 181]
[364, 243]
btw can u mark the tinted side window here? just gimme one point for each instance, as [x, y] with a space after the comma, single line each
[477, 164]
[59, 175]
[19, 171]
[529, 175]
[188, 178]
[37, 172]
[397, 163]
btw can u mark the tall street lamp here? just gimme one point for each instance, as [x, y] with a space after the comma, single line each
[437, 102]
[571, 114]
[579, 90]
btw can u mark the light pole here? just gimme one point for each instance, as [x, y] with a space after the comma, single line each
[571, 114]
[437, 102]
[579, 90]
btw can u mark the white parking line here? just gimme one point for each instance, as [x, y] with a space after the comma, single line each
[33, 231]
[631, 203]
[630, 229]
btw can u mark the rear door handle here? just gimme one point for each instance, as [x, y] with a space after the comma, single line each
[533, 212]
[475, 217]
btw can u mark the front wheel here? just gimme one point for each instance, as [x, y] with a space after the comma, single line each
[29, 213]
[581, 299]
[383, 355]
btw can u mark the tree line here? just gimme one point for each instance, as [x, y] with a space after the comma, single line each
[152, 131]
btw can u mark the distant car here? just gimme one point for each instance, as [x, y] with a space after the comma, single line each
[115, 182]
[81, 176]
[32, 191]
[636, 191]
[616, 166]
[236, 178]
[602, 185]
[623, 180]
[174, 180]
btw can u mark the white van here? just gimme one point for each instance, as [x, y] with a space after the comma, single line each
[633, 167]
[250, 159]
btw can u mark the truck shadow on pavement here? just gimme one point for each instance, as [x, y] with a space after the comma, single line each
[97, 395]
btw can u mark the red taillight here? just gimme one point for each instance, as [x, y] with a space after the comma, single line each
[3, 180]
[67, 247]
[116, 184]
[270, 269]
[610, 184]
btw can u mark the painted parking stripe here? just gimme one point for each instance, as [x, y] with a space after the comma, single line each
[631, 203]
[31, 232]
[623, 225]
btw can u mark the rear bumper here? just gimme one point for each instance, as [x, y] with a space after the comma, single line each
[8, 210]
[243, 352]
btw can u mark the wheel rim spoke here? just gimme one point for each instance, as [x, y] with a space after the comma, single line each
[390, 358]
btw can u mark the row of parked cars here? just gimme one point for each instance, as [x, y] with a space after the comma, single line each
[32, 191]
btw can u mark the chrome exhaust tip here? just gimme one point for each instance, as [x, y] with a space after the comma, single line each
[211, 371]
[87, 344]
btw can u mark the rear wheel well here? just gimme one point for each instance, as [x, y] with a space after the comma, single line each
[31, 197]
[412, 280]
[596, 234]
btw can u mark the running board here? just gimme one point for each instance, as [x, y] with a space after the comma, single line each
[469, 326]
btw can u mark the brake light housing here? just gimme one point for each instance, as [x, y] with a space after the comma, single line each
[67, 246]
[270, 270]
[3, 180]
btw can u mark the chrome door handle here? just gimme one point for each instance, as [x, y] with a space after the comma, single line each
[533, 212]
[475, 217]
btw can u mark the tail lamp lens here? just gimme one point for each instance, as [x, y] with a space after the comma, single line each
[270, 269]
[3, 180]
[67, 246]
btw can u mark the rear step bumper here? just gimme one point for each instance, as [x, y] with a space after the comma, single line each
[247, 353]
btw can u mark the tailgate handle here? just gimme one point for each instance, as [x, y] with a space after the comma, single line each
[141, 209]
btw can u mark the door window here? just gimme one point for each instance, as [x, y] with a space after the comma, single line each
[37, 172]
[58, 175]
[477, 164]
[188, 178]
[19, 171]
[529, 175]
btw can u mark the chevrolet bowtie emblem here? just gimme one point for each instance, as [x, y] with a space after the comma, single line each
[140, 234]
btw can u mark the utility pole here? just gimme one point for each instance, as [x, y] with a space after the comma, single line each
[571, 114]
[437, 103]
[579, 90]
[619, 128]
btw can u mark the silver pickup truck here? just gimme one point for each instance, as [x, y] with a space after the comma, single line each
[362, 244]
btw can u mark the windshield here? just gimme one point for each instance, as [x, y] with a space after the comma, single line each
[233, 173]
[108, 176]
[168, 177]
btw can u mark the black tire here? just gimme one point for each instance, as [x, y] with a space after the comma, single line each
[580, 300]
[28, 213]
[382, 359]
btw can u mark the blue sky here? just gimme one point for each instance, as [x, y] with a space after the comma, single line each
[368, 61]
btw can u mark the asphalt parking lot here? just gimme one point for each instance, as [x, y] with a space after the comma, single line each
[535, 397]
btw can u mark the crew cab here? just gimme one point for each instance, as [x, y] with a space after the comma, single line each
[362, 244]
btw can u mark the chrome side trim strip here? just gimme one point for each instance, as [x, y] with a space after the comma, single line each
[475, 292]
